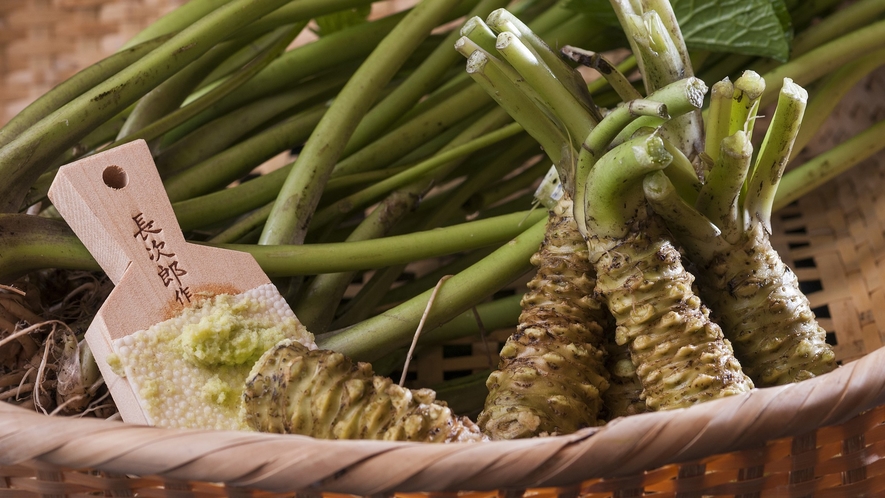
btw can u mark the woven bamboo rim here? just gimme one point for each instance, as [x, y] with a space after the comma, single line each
[822, 437]
[285, 464]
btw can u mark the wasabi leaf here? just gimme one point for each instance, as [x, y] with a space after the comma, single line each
[750, 27]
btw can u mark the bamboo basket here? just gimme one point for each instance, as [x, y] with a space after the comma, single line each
[823, 437]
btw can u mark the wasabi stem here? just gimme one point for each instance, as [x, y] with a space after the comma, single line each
[825, 59]
[224, 132]
[603, 66]
[600, 138]
[676, 99]
[504, 21]
[719, 197]
[232, 163]
[657, 42]
[410, 135]
[426, 77]
[692, 229]
[478, 32]
[718, 118]
[774, 154]
[316, 308]
[536, 122]
[538, 75]
[682, 97]
[300, 194]
[366, 196]
[75, 86]
[829, 94]
[137, 126]
[748, 89]
[843, 21]
[373, 338]
[174, 21]
[552, 375]
[824, 167]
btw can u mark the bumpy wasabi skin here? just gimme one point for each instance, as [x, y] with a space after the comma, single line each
[768, 319]
[323, 394]
[681, 356]
[624, 396]
[552, 373]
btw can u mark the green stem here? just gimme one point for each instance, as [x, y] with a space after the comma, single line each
[220, 134]
[506, 188]
[690, 227]
[562, 103]
[681, 97]
[843, 21]
[504, 162]
[496, 315]
[414, 287]
[503, 21]
[167, 122]
[825, 59]
[177, 20]
[33, 243]
[479, 33]
[234, 162]
[816, 172]
[674, 100]
[229, 203]
[290, 217]
[626, 66]
[682, 174]
[614, 184]
[718, 117]
[318, 303]
[27, 156]
[244, 226]
[290, 260]
[775, 153]
[366, 301]
[366, 196]
[718, 199]
[75, 86]
[609, 71]
[599, 139]
[169, 95]
[423, 79]
[748, 89]
[293, 12]
[496, 83]
[830, 92]
[409, 136]
[659, 47]
[409, 195]
[372, 338]
[327, 53]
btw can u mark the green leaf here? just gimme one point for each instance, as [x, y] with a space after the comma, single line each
[782, 11]
[338, 21]
[750, 27]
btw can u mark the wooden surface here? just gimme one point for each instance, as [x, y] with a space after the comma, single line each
[115, 203]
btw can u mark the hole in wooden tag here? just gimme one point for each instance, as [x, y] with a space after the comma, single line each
[115, 177]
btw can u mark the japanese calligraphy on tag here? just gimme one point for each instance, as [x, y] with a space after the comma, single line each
[169, 270]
